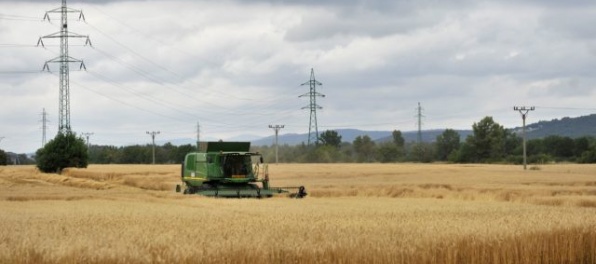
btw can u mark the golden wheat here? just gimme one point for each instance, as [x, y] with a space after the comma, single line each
[356, 213]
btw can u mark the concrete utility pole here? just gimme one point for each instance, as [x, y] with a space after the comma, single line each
[87, 135]
[524, 112]
[64, 60]
[276, 128]
[152, 134]
[313, 130]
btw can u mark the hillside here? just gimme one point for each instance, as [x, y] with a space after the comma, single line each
[567, 127]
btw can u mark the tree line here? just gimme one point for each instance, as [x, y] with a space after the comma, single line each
[489, 143]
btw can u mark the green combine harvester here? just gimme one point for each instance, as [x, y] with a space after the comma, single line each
[229, 169]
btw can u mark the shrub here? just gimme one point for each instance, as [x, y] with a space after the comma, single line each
[65, 150]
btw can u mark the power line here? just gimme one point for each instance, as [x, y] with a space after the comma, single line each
[565, 108]
[313, 136]
[20, 72]
[19, 18]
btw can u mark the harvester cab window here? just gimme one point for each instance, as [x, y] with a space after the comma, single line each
[234, 165]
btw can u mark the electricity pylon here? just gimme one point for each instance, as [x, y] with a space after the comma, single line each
[44, 127]
[313, 130]
[64, 60]
[419, 123]
[524, 112]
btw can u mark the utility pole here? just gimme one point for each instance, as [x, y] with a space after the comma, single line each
[276, 128]
[152, 134]
[524, 112]
[44, 127]
[87, 135]
[313, 130]
[198, 136]
[64, 59]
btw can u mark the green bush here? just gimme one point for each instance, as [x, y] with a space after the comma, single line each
[65, 150]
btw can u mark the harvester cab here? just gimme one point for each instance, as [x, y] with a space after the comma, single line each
[229, 169]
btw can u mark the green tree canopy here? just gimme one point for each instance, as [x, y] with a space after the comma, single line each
[387, 152]
[65, 150]
[330, 138]
[364, 148]
[398, 139]
[487, 142]
[447, 143]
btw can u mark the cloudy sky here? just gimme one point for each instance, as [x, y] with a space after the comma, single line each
[236, 67]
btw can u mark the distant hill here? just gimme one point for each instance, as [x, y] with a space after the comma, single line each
[572, 127]
[348, 135]
[567, 127]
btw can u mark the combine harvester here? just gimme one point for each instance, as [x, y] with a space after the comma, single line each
[229, 169]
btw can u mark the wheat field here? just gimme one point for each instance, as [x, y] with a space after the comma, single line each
[355, 213]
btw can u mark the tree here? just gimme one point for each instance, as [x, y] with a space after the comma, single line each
[447, 143]
[487, 143]
[580, 146]
[180, 152]
[330, 138]
[64, 151]
[387, 152]
[398, 139]
[364, 148]
[559, 147]
[399, 142]
[3, 158]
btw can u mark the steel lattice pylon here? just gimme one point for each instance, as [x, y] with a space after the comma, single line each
[313, 130]
[64, 60]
